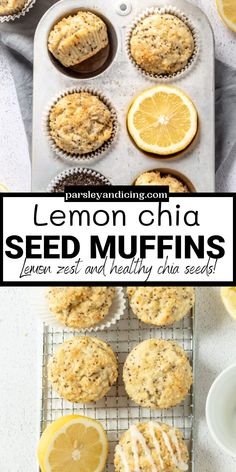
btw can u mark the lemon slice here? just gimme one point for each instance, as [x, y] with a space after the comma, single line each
[73, 444]
[3, 188]
[228, 295]
[162, 120]
[227, 11]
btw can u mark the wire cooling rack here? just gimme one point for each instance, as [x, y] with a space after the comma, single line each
[116, 411]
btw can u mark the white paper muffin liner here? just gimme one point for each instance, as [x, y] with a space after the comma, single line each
[76, 170]
[91, 156]
[116, 311]
[28, 5]
[172, 11]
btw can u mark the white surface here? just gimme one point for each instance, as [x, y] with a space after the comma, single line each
[215, 350]
[20, 349]
[221, 410]
[19, 340]
[14, 152]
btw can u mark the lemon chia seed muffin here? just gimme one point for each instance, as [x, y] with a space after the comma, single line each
[155, 178]
[157, 374]
[83, 369]
[77, 38]
[161, 305]
[161, 44]
[80, 307]
[151, 446]
[9, 7]
[80, 123]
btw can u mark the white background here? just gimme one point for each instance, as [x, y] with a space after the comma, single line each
[208, 208]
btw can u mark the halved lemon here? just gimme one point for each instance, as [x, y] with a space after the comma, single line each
[162, 120]
[228, 296]
[73, 444]
[227, 11]
[3, 188]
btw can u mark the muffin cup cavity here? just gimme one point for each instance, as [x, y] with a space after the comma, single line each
[97, 64]
[179, 14]
[116, 311]
[15, 16]
[91, 156]
[75, 171]
[174, 173]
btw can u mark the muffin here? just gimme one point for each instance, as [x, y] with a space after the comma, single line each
[157, 374]
[161, 44]
[80, 123]
[83, 369]
[80, 307]
[77, 38]
[161, 305]
[151, 446]
[155, 178]
[77, 176]
[9, 7]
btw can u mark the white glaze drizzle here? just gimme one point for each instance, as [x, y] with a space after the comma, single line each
[134, 449]
[179, 464]
[136, 436]
[182, 465]
[120, 451]
[155, 441]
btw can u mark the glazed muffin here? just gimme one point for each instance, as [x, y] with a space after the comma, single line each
[155, 178]
[151, 446]
[83, 369]
[161, 44]
[80, 123]
[161, 305]
[157, 374]
[77, 38]
[80, 307]
[9, 7]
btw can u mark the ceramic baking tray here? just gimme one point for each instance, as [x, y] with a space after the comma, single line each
[120, 82]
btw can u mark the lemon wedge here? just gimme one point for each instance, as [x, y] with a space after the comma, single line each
[227, 11]
[3, 188]
[228, 295]
[162, 120]
[73, 444]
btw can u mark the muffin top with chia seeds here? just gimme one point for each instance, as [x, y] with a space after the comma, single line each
[80, 307]
[157, 374]
[78, 37]
[9, 7]
[80, 123]
[83, 369]
[161, 44]
[156, 178]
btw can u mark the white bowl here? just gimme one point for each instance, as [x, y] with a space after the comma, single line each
[221, 410]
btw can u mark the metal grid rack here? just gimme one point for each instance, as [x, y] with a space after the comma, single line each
[116, 411]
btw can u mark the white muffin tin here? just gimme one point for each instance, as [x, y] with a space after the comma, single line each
[120, 83]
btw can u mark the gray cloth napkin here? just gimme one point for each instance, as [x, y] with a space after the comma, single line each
[17, 40]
